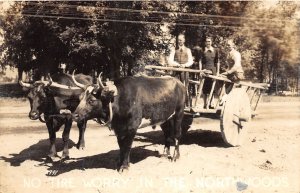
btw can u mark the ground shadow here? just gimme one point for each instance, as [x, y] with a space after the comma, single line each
[204, 138]
[37, 152]
[107, 160]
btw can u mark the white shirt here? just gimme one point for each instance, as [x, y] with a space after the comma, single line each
[173, 63]
[235, 65]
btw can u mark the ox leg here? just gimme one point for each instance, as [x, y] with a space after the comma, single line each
[125, 143]
[166, 130]
[52, 138]
[177, 133]
[81, 126]
[176, 153]
[65, 136]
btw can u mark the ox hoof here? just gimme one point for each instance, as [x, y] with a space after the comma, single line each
[175, 158]
[65, 157]
[166, 156]
[123, 169]
[80, 146]
[48, 160]
[52, 156]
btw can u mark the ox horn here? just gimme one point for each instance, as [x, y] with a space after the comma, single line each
[100, 81]
[23, 84]
[110, 116]
[51, 83]
[55, 84]
[50, 80]
[110, 112]
[77, 83]
[45, 82]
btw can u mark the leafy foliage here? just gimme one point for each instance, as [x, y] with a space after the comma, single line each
[120, 37]
[273, 40]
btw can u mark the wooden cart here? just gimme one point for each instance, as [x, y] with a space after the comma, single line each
[235, 110]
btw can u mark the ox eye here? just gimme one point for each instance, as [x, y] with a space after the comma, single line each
[92, 101]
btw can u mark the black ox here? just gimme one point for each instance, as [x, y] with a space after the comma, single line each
[55, 98]
[135, 102]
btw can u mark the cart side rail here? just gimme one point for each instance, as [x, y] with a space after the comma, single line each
[207, 73]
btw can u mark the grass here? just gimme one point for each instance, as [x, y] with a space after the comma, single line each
[267, 98]
[9, 101]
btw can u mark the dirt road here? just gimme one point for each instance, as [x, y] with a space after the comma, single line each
[269, 161]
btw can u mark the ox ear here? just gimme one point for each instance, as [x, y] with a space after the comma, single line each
[108, 95]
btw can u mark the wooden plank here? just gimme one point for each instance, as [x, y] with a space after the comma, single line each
[254, 85]
[194, 82]
[263, 86]
[211, 94]
[207, 73]
[199, 93]
[220, 77]
[220, 95]
[178, 69]
[259, 97]
[201, 110]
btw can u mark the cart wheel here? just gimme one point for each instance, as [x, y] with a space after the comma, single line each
[235, 116]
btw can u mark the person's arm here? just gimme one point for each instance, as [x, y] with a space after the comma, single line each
[190, 61]
[200, 64]
[218, 68]
[237, 63]
[171, 61]
[217, 62]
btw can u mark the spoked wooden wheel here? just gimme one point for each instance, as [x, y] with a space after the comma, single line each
[235, 117]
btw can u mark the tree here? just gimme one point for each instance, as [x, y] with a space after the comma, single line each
[272, 34]
[118, 38]
[78, 37]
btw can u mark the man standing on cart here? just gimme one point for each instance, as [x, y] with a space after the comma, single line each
[181, 57]
[209, 61]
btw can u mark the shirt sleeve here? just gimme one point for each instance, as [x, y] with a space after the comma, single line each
[216, 59]
[171, 61]
[190, 58]
[200, 59]
[217, 62]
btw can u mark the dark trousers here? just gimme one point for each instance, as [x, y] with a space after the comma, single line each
[235, 78]
[184, 78]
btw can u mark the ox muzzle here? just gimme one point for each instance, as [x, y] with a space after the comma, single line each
[33, 115]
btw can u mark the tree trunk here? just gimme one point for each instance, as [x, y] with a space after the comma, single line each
[269, 64]
[20, 72]
[116, 62]
[130, 66]
[261, 70]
